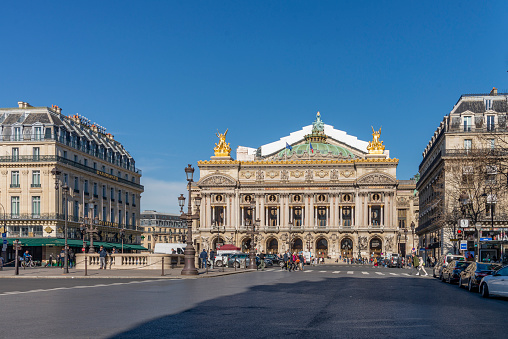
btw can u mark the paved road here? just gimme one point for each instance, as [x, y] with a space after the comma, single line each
[323, 301]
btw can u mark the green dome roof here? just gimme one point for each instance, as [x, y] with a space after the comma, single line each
[324, 149]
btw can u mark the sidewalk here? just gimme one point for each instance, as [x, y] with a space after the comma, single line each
[57, 273]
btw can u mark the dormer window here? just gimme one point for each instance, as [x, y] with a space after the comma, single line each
[17, 133]
[488, 104]
[38, 133]
[467, 124]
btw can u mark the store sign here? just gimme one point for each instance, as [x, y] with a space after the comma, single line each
[485, 239]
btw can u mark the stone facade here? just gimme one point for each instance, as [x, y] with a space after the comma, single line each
[317, 190]
[104, 185]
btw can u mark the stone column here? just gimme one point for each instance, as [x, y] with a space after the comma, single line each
[261, 210]
[340, 214]
[369, 215]
[312, 214]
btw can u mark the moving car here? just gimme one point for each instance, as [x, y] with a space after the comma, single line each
[495, 284]
[474, 273]
[451, 272]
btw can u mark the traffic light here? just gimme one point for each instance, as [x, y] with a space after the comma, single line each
[459, 231]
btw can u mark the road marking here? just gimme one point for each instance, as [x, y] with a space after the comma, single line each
[393, 273]
[336, 272]
[322, 271]
[365, 272]
[379, 273]
[308, 271]
[81, 286]
[349, 272]
[405, 274]
[271, 269]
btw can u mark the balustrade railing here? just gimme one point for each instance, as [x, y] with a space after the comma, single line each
[118, 261]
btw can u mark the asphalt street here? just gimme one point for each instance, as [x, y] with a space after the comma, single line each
[323, 301]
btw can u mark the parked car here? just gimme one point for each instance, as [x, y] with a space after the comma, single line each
[451, 272]
[495, 284]
[443, 262]
[243, 260]
[394, 260]
[474, 273]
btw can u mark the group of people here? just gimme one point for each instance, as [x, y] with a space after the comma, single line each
[292, 261]
[203, 258]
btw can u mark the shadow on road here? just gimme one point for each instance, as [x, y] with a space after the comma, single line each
[339, 307]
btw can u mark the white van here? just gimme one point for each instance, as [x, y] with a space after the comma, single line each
[167, 248]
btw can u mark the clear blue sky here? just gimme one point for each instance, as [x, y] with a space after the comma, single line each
[163, 76]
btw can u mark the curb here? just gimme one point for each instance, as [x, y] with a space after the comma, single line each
[199, 276]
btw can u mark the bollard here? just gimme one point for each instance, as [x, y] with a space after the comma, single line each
[86, 262]
[162, 266]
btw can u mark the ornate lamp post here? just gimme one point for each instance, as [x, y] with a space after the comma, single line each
[190, 252]
[413, 232]
[252, 251]
[4, 247]
[290, 225]
[65, 191]
[122, 235]
[405, 246]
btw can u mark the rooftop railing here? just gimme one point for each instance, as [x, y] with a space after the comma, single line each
[81, 147]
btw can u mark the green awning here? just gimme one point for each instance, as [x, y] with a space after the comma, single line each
[72, 243]
[46, 242]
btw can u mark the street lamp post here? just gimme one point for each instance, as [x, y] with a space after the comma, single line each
[413, 234]
[65, 192]
[252, 251]
[122, 235]
[4, 246]
[478, 227]
[190, 252]
[405, 247]
[290, 224]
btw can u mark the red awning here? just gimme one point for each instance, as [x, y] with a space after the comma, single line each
[229, 247]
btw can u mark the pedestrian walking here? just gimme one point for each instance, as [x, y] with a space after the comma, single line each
[212, 258]
[301, 258]
[50, 261]
[102, 257]
[290, 261]
[286, 260]
[421, 266]
[72, 257]
[416, 263]
[203, 256]
[61, 258]
[262, 259]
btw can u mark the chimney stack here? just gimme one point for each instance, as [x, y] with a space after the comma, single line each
[494, 91]
[22, 104]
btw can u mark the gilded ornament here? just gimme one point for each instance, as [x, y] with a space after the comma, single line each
[376, 146]
[222, 149]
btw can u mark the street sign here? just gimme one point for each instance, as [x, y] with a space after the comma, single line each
[463, 245]
[4, 247]
[464, 223]
[485, 239]
[4, 241]
[4, 235]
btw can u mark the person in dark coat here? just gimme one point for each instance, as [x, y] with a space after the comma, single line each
[203, 256]
[286, 260]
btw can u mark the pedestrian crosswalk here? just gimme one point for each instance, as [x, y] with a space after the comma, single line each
[352, 273]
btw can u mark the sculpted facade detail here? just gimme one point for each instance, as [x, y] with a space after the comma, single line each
[217, 180]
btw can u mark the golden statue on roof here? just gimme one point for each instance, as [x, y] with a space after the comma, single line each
[375, 146]
[222, 149]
